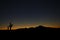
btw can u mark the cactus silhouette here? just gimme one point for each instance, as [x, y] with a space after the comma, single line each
[10, 26]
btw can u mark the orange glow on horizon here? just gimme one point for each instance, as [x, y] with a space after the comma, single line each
[27, 26]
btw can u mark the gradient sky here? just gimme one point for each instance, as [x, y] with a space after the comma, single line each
[26, 13]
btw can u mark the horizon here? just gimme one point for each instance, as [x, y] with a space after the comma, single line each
[23, 27]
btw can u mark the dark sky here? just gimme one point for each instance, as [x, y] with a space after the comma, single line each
[24, 12]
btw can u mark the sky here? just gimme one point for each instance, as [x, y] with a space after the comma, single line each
[28, 13]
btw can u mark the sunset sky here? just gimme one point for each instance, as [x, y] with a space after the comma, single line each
[29, 13]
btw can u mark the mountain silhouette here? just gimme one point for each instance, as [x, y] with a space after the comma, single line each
[40, 28]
